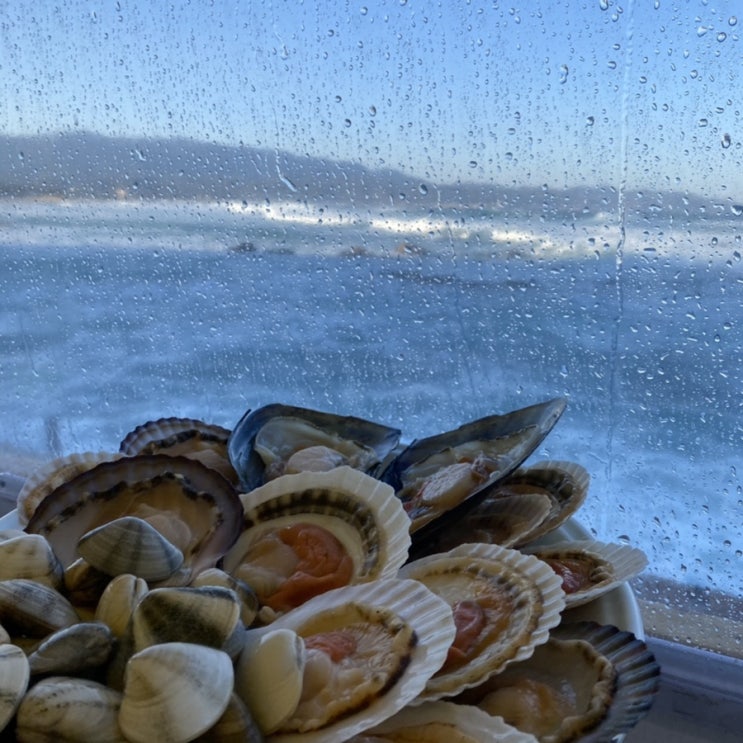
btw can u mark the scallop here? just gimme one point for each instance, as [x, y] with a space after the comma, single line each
[307, 533]
[188, 437]
[265, 439]
[368, 652]
[504, 604]
[442, 477]
[589, 568]
[192, 506]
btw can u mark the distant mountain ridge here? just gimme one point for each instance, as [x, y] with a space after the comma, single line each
[87, 165]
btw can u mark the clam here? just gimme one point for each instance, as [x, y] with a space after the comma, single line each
[174, 692]
[186, 437]
[118, 601]
[29, 556]
[130, 545]
[368, 651]
[69, 709]
[307, 533]
[194, 507]
[73, 649]
[84, 584]
[442, 477]
[54, 474]
[504, 604]
[34, 609]
[207, 616]
[590, 568]
[246, 595]
[234, 726]
[14, 676]
[264, 440]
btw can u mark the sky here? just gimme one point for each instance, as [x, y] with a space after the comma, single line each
[643, 93]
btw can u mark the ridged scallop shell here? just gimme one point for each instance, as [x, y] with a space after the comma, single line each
[506, 521]
[424, 613]
[188, 437]
[193, 506]
[565, 483]
[592, 682]
[604, 565]
[492, 447]
[52, 475]
[174, 692]
[278, 431]
[361, 512]
[445, 722]
[520, 599]
[14, 677]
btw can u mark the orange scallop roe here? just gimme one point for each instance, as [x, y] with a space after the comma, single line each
[323, 564]
[469, 620]
[572, 571]
[337, 644]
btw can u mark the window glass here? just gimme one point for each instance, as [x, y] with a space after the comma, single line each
[419, 213]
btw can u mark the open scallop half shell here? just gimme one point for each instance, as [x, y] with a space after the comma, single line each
[504, 604]
[355, 512]
[398, 607]
[589, 568]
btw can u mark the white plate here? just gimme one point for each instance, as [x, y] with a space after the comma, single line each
[618, 607]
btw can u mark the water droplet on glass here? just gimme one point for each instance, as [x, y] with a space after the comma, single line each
[373, 110]
[612, 64]
[732, 21]
[604, 4]
[364, 10]
[423, 188]
[726, 141]
[701, 30]
[346, 123]
[472, 163]
[563, 74]
[703, 122]
[737, 210]
[722, 36]
[589, 120]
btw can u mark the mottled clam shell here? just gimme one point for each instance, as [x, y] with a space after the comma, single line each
[602, 681]
[360, 511]
[14, 677]
[188, 437]
[234, 726]
[427, 615]
[506, 521]
[34, 609]
[519, 593]
[73, 649]
[29, 556]
[605, 566]
[505, 440]
[445, 722]
[374, 439]
[68, 708]
[249, 605]
[565, 483]
[193, 506]
[174, 692]
[117, 602]
[54, 474]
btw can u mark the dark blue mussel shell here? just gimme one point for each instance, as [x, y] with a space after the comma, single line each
[248, 464]
[509, 438]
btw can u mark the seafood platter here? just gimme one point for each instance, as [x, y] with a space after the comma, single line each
[307, 577]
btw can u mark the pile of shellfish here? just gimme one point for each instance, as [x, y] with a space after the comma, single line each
[307, 577]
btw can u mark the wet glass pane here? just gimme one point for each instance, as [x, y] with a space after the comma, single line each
[411, 212]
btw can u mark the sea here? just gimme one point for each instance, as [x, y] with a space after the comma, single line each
[113, 313]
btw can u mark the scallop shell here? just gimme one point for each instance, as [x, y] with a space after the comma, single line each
[361, 512]
[425, 614]
[494, 445]
[521, 602]
[193, 506]
[54, 474]
[565, 483]
[281, 430]
[186, 437]
[174, 692]
[605, 566]
[506, 521]
[594, 682]
[446, 722]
